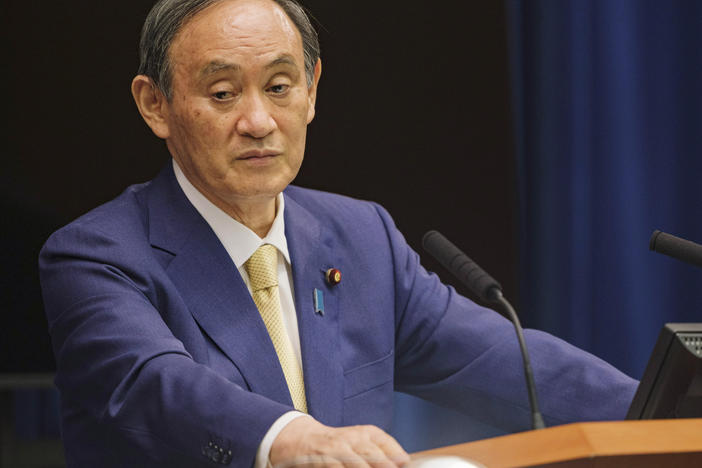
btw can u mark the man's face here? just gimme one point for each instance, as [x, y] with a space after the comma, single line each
[240, 105]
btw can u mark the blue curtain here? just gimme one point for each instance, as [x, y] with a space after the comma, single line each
[608, 110]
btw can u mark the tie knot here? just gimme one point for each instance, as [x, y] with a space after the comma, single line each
[262, 268]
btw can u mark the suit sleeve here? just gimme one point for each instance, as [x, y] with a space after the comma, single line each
[130, 390]
[455, 353]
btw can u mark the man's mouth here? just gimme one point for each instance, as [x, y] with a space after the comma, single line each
[258, 154]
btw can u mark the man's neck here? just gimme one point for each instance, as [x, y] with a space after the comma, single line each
[257, 214]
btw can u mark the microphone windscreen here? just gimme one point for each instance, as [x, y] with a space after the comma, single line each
[676, 247]
[462, 267]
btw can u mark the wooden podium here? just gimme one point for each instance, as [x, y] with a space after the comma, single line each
[639, 444]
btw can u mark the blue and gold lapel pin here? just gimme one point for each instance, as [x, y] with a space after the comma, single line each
[333, 277]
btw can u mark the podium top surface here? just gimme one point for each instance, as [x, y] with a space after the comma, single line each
[583, 441]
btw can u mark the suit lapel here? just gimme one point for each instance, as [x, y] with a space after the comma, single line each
[212, 287]
[312, 253]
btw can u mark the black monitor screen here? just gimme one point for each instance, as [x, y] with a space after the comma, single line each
[671, 386]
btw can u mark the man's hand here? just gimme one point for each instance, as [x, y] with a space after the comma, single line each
[307, 443]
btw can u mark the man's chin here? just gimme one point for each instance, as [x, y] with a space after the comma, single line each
[257, 193]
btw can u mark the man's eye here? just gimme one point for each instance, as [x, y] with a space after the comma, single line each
[222, 95]
[279, 89]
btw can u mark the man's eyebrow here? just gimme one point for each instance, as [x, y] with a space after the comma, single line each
[282, 60]
[218, 66]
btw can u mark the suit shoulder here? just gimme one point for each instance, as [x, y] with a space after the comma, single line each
[333, 204]
[123, 217]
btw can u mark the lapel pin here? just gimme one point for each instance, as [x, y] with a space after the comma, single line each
[318, 302]
[333, 276]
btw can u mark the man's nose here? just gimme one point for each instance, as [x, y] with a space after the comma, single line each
[255, 120]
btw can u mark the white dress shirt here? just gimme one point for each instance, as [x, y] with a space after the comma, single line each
[240, 243]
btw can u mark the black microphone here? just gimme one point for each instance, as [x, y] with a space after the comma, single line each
[675, 247]
[466, 270]
[489, 290]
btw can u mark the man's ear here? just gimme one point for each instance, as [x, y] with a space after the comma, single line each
[152, 105]
[312, 92]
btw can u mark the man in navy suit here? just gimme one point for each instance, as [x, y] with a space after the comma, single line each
[163, 357]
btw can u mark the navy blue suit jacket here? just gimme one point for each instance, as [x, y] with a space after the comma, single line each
[163, 359]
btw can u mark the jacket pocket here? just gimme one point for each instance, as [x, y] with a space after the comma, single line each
[369, 376]
[368, 391]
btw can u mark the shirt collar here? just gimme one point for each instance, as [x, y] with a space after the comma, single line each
[239, 241]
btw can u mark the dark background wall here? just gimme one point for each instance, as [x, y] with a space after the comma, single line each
[413, 112]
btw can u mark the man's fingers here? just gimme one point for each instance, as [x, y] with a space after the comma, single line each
[386, 445]
[324, 461]
[376, 458]
[305, 442]
[312, 461]
[390, 447]
[355, 460]
[349, 460]
[376, 447]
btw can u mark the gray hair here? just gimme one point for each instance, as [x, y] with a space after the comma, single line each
[167, 17]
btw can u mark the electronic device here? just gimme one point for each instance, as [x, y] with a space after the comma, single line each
[671, 386]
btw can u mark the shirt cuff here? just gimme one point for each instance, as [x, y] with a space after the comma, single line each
[264, 449]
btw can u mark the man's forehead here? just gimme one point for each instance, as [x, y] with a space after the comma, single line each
[232, 17]
[259, 25]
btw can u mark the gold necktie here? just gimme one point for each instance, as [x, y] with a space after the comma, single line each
[262, 269]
